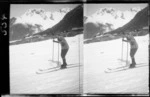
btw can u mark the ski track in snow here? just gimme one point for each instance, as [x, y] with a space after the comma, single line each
[101, 55]
[26, 59]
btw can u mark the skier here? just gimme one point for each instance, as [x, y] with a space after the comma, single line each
[64, 48]
[133, 46]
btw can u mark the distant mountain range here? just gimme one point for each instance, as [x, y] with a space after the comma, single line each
[139, 26]
[107, 19]
[139, 22]
[72, 20]
[34, 21]
[71, 23]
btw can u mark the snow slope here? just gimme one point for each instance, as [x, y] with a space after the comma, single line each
[101, 55]
[26, 59]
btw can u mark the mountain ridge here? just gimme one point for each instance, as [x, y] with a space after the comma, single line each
[34, 20]
[107, 19]
[73, 19]
[137, 23]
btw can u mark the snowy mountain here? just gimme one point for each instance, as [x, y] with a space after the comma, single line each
[72, 20]
[42, 17]
[113, 16]
[139, 22]
[34, 21]
[108, 19]
[139, 26]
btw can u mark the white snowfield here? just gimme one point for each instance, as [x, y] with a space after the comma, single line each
[99, 56]
[26, 59]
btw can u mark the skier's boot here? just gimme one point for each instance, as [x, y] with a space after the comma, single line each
[132, 65]
[63, 66]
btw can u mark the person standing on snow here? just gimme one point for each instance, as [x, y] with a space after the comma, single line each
[133, 46]
[64, 48]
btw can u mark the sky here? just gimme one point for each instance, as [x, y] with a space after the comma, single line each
[17, 10]
[89, 9]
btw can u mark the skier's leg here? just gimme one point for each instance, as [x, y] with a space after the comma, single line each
[132, 53]
[63, 54]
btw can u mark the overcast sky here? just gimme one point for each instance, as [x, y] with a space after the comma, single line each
[89, 9]
[19, 9]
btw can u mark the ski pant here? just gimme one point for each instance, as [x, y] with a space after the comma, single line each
[132, 53]
[63, 55]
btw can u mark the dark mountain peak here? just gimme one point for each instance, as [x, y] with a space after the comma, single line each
[12, 21]
[13, 18]
[85, 18]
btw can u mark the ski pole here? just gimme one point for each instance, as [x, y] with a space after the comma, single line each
[79, 60]
[58, 54]
[127, 56]
[53, 51]
[122, 51]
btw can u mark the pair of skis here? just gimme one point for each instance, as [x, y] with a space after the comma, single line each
[123, 68]
[48, 70]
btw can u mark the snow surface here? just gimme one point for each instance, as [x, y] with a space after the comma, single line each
[101, 55]
[26, 59]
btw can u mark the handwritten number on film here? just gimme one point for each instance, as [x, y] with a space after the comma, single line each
[3, 25]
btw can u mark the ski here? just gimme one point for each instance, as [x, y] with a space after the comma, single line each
[56, 69]
[117, 68]
[109, 70]
[49, 68]
[123, 66]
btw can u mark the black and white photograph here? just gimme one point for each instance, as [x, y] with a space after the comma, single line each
[75, 47]
[116, 53]
[45, 48]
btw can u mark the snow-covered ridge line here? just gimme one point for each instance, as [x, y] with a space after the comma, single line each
[113, 16]
[41, 17]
